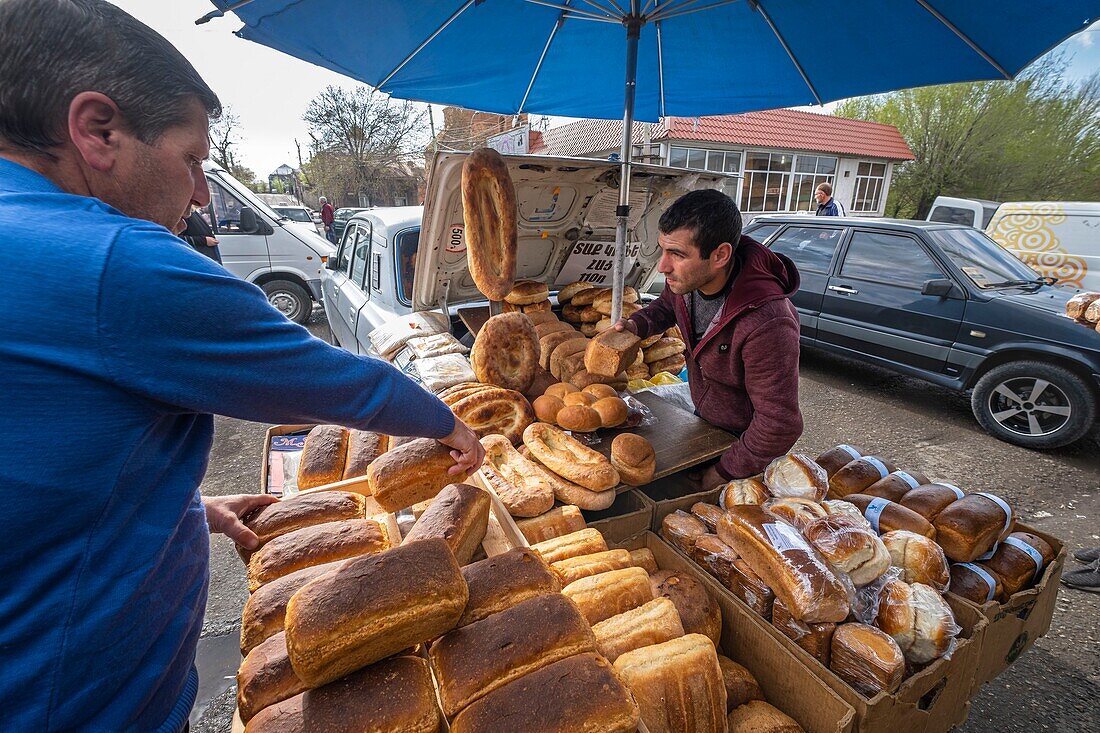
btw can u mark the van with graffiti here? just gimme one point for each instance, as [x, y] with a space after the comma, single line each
[1058, 239]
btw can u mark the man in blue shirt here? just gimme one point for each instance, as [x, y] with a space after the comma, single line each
[119, 343]
[826, 204]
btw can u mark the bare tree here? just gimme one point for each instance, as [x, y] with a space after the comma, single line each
[224, 139]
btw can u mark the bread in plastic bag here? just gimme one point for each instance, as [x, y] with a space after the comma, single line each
[796, 512]
[850, 547]
[867, 658]
[439, 372]
[919, 559]
[816, 639]
[715, 556]
[796, 475]
[835, 507]
[918, 619]
[743, 491]
[682, 529]
[708, 514]
[750, 588]
[438, 344]
[395, 333]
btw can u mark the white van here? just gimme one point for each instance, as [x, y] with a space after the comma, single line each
[1058, 239]
[281, 256]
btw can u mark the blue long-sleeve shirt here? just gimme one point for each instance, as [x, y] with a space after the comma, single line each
[117, 344]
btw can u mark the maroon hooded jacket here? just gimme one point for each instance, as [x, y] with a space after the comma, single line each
[743, 372]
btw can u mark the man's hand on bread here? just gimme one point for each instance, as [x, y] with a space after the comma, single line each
[467, 449]
[625, 324]
[223, 514]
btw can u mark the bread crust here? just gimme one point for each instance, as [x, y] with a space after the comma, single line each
[266, 677]
[556, 522]
[496, 411]
[363, 447]
[565, 295]
[527, 292]
[323, 456]
[459, 514]
[634, 458]
[699, 612]
[296, 512]
[506, 352]
[411, 473]
[920, 559]
[569, 459]
[651, 623]
[315, 545]
[265, 610]
[741, 686]
[663, 349]
[503, 580]
[522, 488]
[575, 544]
[608, 594]
[867, 658]
[489, 214]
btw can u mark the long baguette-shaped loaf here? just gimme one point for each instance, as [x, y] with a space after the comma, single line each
[795, 572]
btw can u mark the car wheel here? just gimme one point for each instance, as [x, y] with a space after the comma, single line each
[290, 299]
[1034, 404]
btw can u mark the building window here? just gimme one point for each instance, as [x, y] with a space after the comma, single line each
[809, 172]
[870, 181]
[687, 158]
[767, 181]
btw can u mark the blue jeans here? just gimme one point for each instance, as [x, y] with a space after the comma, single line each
[330, 233]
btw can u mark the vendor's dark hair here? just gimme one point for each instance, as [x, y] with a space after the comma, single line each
[56, 49]
[711, 215]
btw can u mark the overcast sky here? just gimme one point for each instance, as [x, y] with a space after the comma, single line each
[269, 90]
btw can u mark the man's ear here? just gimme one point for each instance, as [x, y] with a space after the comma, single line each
[95, 127]
[722, 254]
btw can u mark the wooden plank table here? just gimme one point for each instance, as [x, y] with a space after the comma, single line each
[474, 317]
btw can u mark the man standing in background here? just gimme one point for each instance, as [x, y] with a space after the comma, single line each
[328, 219]
[826, 204]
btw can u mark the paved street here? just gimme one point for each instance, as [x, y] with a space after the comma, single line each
[1055, 686]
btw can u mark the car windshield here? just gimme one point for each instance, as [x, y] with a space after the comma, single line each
[345, 214]
[294, 213]
[982, 259]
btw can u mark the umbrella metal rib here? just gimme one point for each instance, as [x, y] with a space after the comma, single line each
[964, 38]
[454, 16]
[758, 7]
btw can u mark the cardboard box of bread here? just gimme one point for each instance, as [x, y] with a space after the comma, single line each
[867, 609]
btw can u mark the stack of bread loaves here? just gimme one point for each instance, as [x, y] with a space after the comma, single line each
[1085, 308]
[664, 352]
[581, 410]
[333, 453]
[589, 307]
[527, 296]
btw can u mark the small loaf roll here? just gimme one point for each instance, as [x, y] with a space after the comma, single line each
[579, 419]
[323, 456]
[743, 491]
[1019, 561]
[363, 447]
[651, 623]
[266, 677]
[741, 686]
[472, 661]
[504, 580]
[972, 526]
[459, 515]
[920, 559]
[411, 473]
[758, 716]
[896, 485]
[559, 521]
[682, 529]
[306, 510]
[918, 619]
[547, 408]
[796, 475]
[708, 514]
[608, 594]
[265, 611]
[849, 547]
[394, 696]
[716, 557]
[644, 559]
[699, 612]
[750, 588]
[634, 458]
[976, 583]
[857, 475]
[816, 639]
[931, 499]
[316, 545]
[797, 512]
[867, 658]
[837, 458]
[583, 542]
[678, 685]
[373, 607]
[886, 516]
[574, 568]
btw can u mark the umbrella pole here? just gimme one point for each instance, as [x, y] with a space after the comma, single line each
[633, 31]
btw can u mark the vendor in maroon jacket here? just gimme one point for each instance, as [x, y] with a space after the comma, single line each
[729, 296]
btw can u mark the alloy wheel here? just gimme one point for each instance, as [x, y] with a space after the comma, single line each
[1029, 406]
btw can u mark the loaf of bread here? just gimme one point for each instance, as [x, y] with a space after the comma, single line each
[842, 508]
[857, 475]
[837, 458]
[708, 514]
[867, 658]
[886, 516]
[716, 557]
[699, 612]
[506, 351]
[750, 588]
[583, 542]
[363, 447]
[472, 661]
[678, 685]
[797, 512]
[920, 559]
[918, 619]
[411, 473]
[526, 292]
[634, 458]
[758, 716]
[682, 529]
[372, 607]
[651, 623]
[551, 341]
[896, 485]
[557, 522]
[568, 492]
[849, 547]
[975, 583]
[266, 677]
[611, 352]
[521, 486]
[459, 514]
[816, 639]
[393, 696]
[931, 499]
[786, 562]
[1019, 561]
[565, 295]
[1079, 303]
[305, 510]
[608, 594]
[503, 580]
[643, 558]
[741, 686]
[569, 459]
[582, 566]
[265, 610]
[796, 475]
[323, 456]
[972, 526]
[316, 545]
[580, 694]
[743, 491]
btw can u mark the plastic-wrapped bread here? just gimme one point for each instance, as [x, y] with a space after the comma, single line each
[750, 588]
[741, 686]
[837, 458]
[839, 507]
[784, 560]
[896, 484]
[716, 557]
[920, 559]
[743, 491]
[931, 499]
[1079, 303]
[796, 512]
[973, 525]
[708, 514]
[867, 658]
[858, 475]
[682, 529]
[886, 516]
[849, 547]
[1019, 561]
[816, 639]
[699, 612]
[975, 583]
[796, 475]
[918, 619]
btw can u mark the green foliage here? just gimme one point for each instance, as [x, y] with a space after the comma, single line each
[1033, 139]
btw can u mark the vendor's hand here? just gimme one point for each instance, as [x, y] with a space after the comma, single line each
[625, 324]
[211, 242]
[711, 479]
[468, 451]
[223, 514]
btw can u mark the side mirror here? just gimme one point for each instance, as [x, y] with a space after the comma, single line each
[250, 223]
[330, 263]
[940, 288]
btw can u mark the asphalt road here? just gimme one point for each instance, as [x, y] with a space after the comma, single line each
[1054, 686]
